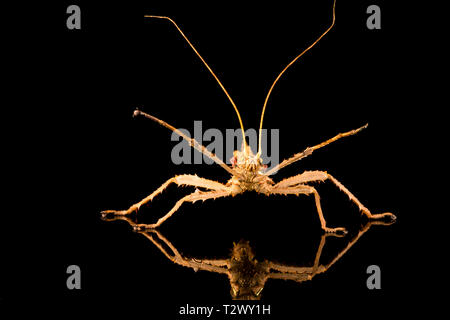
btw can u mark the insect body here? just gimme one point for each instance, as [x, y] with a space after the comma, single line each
[250, 173]
[247, 170]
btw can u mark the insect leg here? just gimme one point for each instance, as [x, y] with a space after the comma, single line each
[308, 151]
[313, 176]
[197, 195]
[303, 189]
[185, 179]
[355, 200]
[307, 176]
[192, 142]
[136, 206]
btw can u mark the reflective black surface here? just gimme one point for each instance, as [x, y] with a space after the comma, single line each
[246, 274]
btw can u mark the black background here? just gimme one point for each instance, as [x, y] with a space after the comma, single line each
[85, 153]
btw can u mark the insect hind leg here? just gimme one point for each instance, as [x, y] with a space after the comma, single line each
[304, 189]
[361, 207]
[319, 176]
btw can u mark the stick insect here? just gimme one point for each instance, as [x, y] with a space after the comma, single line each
[248, 275]
[247, 169]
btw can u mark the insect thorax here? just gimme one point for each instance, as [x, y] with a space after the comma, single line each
[249, 172]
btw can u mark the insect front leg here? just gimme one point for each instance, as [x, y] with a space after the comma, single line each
[135, 207]
[195, 196]
[313, 176]
[185, 179]
[303, 189]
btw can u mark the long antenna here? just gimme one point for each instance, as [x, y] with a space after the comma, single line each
[285, 68]
[210, 70]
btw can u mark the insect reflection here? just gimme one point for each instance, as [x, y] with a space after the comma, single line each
[246, 274]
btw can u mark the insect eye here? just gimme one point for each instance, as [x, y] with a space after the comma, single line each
[233, 161]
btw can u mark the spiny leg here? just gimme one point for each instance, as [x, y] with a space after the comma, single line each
[303, 189]
[197, 195]
[192, 142]
[312, 176]
[186, 179]
[308, 151]
[359, 204]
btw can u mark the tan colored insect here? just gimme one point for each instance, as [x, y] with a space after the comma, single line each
[247, 170]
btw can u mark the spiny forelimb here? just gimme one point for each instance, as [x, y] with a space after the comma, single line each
[181, 180]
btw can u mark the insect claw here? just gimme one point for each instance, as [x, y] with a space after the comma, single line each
[338, 232]
[136, 112]
[143, 227]
[104, 214]
[386, 217]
